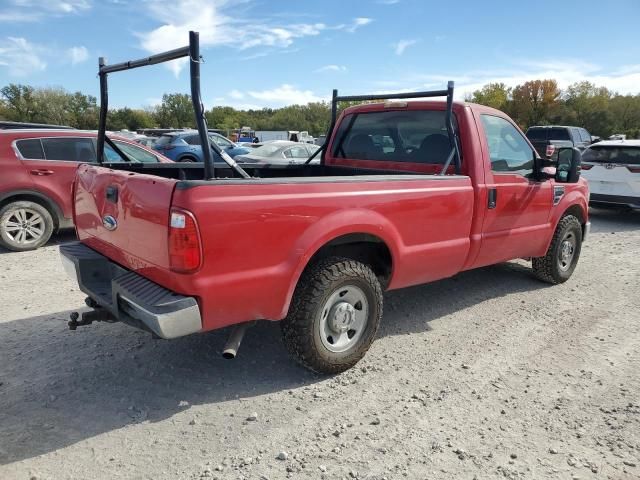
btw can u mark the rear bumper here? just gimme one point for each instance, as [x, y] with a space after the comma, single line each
[129, 297]
[596, 198]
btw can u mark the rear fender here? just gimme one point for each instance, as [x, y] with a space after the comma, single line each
[334, 226]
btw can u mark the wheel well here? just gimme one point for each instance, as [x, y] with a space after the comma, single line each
[182, 158]
[577, 212]
[52, 208]
[362, 247]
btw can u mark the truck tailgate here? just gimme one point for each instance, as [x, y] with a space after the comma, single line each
[124, 215]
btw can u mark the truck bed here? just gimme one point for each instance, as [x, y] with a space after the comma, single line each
[263, 231]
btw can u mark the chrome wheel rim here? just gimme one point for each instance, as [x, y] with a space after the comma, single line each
[24, 226]
[344, 318]
[567, 251]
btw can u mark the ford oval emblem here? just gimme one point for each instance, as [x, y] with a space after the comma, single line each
[109, 222]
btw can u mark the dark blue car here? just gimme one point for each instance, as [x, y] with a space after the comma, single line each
[185, 146]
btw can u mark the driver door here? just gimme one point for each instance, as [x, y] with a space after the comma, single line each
[516, 222]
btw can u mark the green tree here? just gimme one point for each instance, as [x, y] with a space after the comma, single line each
[535, 102]
[175, 111]
[19, 102]
[495, 95]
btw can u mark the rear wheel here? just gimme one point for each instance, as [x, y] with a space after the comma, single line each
[334, 315]
[24, 226]
[563, 253]
[188, 159]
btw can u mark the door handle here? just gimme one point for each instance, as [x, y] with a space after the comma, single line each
[41, 172]
[493, 198]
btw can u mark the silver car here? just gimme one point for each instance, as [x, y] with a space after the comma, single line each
[279, 152]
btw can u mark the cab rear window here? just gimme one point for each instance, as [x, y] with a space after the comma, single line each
[415, 136]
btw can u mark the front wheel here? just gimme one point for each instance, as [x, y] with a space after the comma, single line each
[562, 256]
[334, 315]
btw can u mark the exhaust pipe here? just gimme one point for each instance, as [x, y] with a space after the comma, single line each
[235, 339]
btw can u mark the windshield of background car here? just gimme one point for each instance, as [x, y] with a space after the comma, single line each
[624, 155]
[266, 150]
[164, 140]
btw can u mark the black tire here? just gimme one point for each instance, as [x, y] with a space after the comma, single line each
[38, 218]
[554, 268]
[302, 329]
[188, 159]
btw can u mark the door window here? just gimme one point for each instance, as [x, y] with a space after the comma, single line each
[586, 137]
[31, 149]
[69, 149]
[192, 139]
[576, 135]
[508, 150]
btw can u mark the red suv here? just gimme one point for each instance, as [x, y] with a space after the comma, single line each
[38, 167]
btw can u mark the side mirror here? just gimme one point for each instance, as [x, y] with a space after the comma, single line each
[568, 165]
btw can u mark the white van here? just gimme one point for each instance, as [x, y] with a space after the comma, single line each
[612, 168]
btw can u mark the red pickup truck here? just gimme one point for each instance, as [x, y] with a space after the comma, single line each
[405, 193]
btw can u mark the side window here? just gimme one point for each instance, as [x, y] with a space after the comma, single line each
[136, 154]
[69, 149]
[508, 150]
[31, 149]
[586, 137]
[575, 133]
[110, 156]
[192, 139]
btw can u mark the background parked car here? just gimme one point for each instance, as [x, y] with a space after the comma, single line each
[547, 139]
[612, 168]
[279, 152]
[38, 167]
[185, 146]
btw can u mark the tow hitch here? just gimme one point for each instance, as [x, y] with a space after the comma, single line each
[98, 314]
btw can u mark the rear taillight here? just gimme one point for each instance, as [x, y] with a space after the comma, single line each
[633, 169]
[586, 166]
[550, 150]
[185, 251]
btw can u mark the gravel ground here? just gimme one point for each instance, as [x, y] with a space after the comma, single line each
[490, 374]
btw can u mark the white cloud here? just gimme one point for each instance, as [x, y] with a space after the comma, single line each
[388, 2]
[285, 95]
[35, 10]
[402, 45]
[625, 79]
[236, 94]
[21, 57]
[332, 68]
[356, 24]
[218, 24]
[78, 55]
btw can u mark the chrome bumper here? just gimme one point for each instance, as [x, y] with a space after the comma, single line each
[130, 297]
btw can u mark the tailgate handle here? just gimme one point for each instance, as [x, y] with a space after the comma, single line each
[112, 194]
